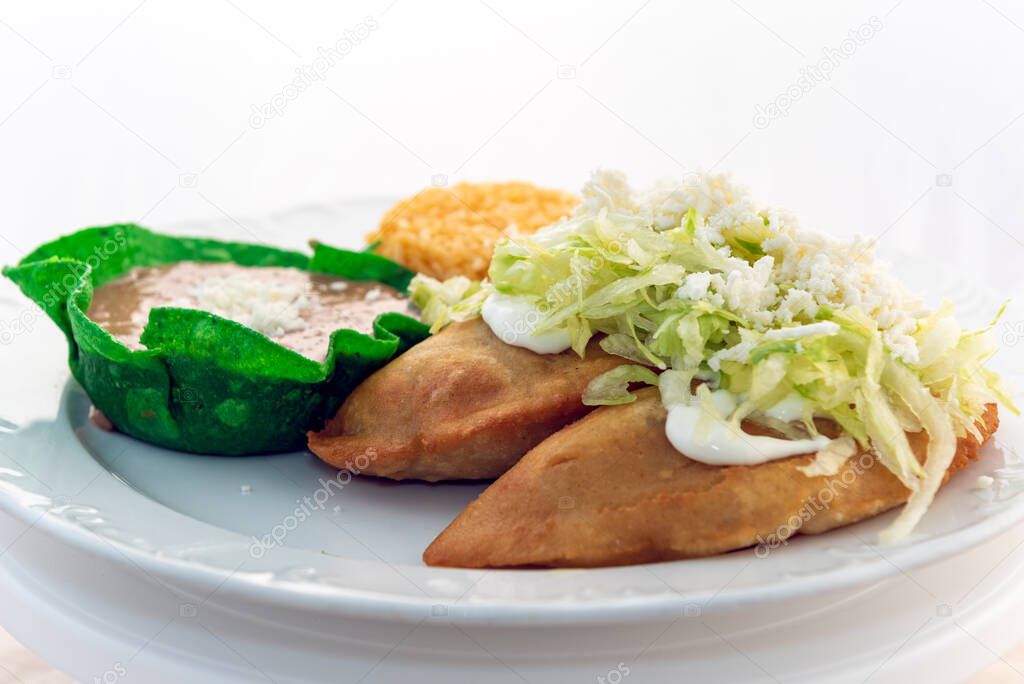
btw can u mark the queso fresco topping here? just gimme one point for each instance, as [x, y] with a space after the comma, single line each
[754, 262]
[732, 309]
[297, 309]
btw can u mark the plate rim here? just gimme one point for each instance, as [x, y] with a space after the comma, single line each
[189, 574]
[260, 588]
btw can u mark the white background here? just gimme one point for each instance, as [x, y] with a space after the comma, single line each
[129, 111]
[160, 90]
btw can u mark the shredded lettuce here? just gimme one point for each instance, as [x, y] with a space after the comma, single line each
[941, 447]
[696, 282]
[441, 303]
[674, 386]
[612, 387]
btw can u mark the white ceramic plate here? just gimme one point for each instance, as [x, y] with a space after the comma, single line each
[353, 547]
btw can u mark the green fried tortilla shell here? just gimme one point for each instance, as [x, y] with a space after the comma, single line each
[206, 384]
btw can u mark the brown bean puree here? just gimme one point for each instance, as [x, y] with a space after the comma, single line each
[295, 308]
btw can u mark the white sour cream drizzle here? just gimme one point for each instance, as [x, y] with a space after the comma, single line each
[514, 321]
[789, 409]
[722, 444]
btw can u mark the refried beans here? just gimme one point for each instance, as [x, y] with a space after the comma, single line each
[296, 308]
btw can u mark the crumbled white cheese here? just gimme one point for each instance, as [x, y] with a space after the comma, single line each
[373, 294]
[983, 482]
[606, 190]
[738, 352]
[669, 200]
[739, 213]
[800, 272]
[831, 458]
[750, 292]
[796, 303]
[848, 275]
[270, 308]
[696, 287]
[338, 285]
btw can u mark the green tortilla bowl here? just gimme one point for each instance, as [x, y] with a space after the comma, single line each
[206, 384]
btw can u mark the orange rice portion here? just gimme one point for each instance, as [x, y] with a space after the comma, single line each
[445, 232]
